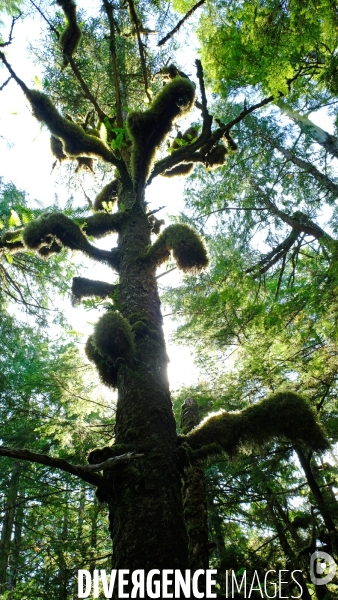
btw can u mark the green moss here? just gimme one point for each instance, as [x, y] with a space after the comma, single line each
[57, 148]
[75, 141]
[113, 337]
[179, 170]
[284, 414]
[186, 245]
[230, 142]
[302, 521]
[71, 35]
[107, 195]
[149, 128]
[105, 367]
[50, 227]
[99, 455]
[102, 224]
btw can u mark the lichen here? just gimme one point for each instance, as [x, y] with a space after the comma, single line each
[113, 337]
[149, 128]
[187, 247]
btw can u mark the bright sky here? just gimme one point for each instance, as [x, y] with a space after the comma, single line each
[26, 161]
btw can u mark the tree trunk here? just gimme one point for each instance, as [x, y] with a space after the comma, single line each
[320, 501]
[146, 513]
[7, 525]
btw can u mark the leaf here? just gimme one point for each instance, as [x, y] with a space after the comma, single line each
[38, 82]
[9, 258]
[14, 219]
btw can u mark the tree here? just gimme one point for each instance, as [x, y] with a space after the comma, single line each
[141, 471]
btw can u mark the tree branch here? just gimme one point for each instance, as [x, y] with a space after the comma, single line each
[284, 414]
[85, 88]
[112, 462]
[57, 463]
[112, 46]
[83, 288]
[10, 39]
[303, 164]
[180, 23]
[267, 261]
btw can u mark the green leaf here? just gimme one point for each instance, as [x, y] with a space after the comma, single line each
[14, 219]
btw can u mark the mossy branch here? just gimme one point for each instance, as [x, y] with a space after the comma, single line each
[102, 224]
[149, 128]
[85, 288]
[11, 241]
[74, 139]
[187, 247]
[51, 231]
[71, 35]
[284, 414]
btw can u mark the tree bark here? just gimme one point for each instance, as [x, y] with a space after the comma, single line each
[8, 525]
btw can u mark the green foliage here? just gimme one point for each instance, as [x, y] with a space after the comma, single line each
[107, 197]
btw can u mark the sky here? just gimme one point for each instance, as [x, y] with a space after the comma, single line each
[26, 160]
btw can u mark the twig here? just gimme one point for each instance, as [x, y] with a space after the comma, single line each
[4, 84]
[52, 28]
[135, 23]
[85, 88]
[180, 23]
[14, 19]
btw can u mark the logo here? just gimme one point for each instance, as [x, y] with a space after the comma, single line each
[318, 568]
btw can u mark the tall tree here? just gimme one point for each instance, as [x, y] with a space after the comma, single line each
[140, 478]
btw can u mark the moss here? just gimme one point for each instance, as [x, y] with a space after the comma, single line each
[99, 455]
[155, 224]
[84, 163]
[230, 142]
[302, 521]
[51, 227]
[75, 141]
[11, 241]
[149, 128]
[284, 414]
[217, 156]
[57, 148]
[179, 170]
[105, 367]
[71, 35]
[101, 224]
[46, 251]
[186, 245]
[107, 195]
[113, 337]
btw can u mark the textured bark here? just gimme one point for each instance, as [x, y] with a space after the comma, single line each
[146, 513]
[194, 496]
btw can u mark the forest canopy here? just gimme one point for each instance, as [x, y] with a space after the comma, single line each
[102, 466]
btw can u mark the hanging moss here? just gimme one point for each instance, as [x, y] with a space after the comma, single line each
[149, 128]
[186, 245]
[84, 163]
[113, 337]
[99, 455]
[155, 224]
[302, 521]
[46, 251]
[180, 170]
[217, 156]
[43, 231]
[75, 141]
[107, 195]
[230, 142]
[11, 241]
[284, 414]
[57, 148]
[71, 35]
[105, 367]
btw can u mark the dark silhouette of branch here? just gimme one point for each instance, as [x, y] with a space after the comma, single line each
[112, 47]
[180, 23]
[85, 88]
[10, 39]
[136, 23]
[50, 461]
[51, 27]
[5, 83]
[84, 288]
[267, 261]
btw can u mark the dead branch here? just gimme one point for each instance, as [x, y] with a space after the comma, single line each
[180, 23]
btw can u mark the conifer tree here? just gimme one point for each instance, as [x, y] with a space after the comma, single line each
[139, 476]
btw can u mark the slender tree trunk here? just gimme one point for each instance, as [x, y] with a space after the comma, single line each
[7, 525]
[320, 500]
[17, 541]
[316, 133]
